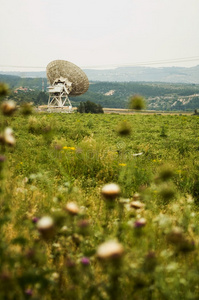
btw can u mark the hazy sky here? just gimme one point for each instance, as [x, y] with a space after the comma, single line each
[102, 33]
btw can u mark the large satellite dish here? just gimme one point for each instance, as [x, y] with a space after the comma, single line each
[66, 79]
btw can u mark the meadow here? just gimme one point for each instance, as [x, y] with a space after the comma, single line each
[66, 234]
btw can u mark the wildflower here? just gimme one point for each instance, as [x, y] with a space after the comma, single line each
[8, 136]
[29, 292]
[35, 220]
[85, 261]
[111, 191]
[68, 148]
[122, 165]
[72, 208]
[8, 107]
[110, 250]
[140, 223]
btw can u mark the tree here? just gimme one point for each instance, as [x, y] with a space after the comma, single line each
[90, 107]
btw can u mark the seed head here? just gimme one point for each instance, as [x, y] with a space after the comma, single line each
[111, 191]
[72, 208]
[110, 250]
[137, 204]
[9, 137]
[8, 107]
[46, 227]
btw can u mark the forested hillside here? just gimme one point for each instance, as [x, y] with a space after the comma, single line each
[159, 96]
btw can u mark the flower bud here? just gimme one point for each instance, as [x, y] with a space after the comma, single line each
[111, 191]
[29, 292]
[140, 223]
[85, 261]
[110, 250]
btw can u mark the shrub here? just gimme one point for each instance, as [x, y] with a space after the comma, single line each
[90, 107]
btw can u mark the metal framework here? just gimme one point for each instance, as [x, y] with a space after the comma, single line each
[58, 94]
[66, 79]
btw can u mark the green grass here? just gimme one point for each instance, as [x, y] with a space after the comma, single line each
[61, 158]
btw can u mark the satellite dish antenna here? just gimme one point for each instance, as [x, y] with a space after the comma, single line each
[66, 79]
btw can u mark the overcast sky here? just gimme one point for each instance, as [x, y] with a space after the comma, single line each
[102, 33]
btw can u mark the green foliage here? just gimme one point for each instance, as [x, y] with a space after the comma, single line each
[60, 239]
[159, 96]
[137, 102]
[90, 107]
[3, 89]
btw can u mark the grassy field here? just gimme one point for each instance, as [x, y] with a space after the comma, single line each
[64, 237]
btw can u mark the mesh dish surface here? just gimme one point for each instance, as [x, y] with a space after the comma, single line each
[73, 73]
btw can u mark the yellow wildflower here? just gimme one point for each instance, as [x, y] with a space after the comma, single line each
[68, 148]
[122, 165]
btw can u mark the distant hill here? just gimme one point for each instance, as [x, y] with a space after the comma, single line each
[126, 74]
[158, 95]
[123, 74]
